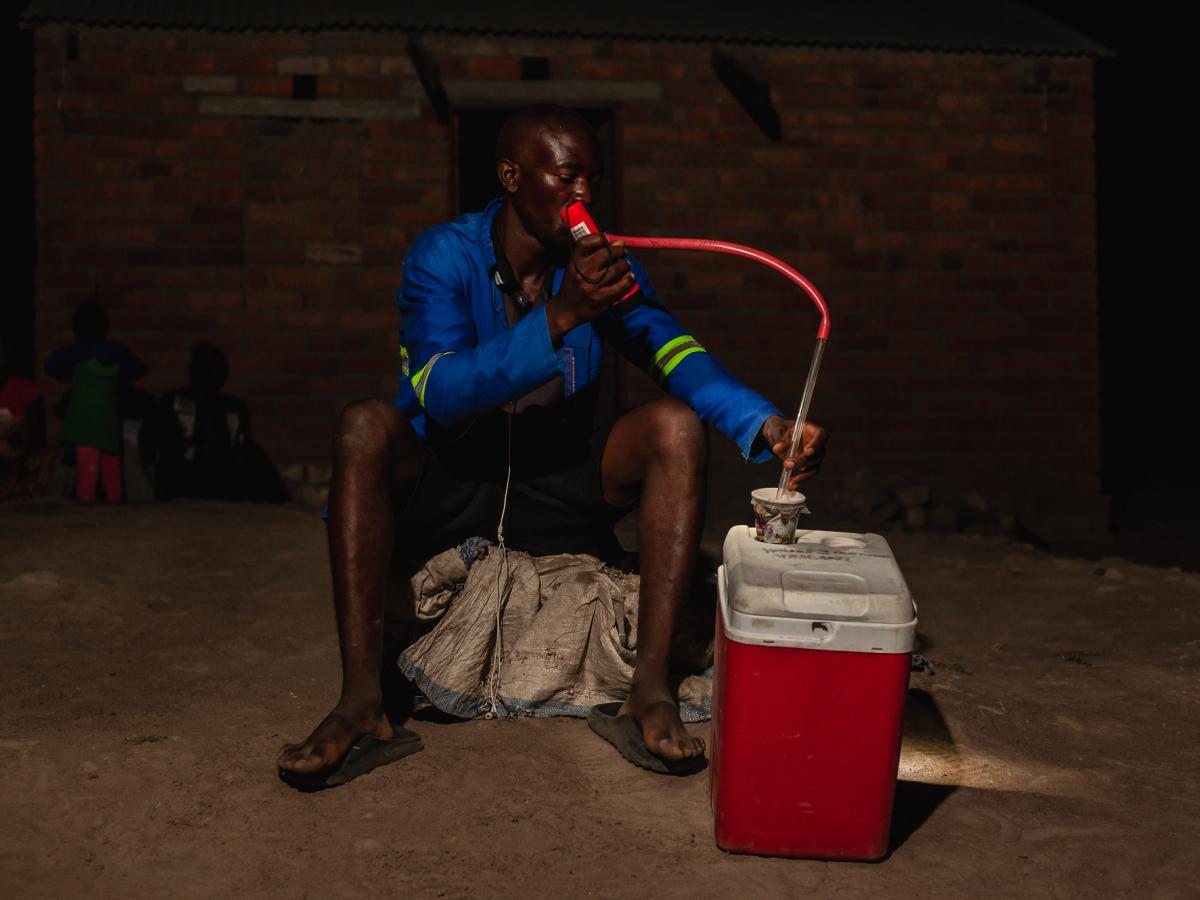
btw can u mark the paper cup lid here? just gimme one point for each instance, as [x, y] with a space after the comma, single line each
[768, 495]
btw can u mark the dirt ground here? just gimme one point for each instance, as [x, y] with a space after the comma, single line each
[155, 657]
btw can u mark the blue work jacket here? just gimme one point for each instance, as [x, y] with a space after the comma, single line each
[460, 358]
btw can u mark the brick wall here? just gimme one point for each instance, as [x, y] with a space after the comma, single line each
[944, 203]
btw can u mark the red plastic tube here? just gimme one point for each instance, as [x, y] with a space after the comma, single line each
[766, 259]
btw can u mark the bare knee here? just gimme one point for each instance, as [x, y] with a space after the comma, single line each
[676, 433]
[369, 431]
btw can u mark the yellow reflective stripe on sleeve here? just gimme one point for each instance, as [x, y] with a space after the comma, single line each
[422, 377]
[670, 345]
[404, 361]
[673, 352]
[679, 357]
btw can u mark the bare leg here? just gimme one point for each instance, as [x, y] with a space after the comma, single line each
[87, 470]
[661, 447]
[376, 460]
[110, 476]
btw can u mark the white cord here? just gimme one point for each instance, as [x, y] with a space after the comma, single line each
[503, 584]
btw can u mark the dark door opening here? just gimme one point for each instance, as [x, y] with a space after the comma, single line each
[1147, 358]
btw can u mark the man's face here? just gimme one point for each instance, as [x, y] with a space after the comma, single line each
[554, 168]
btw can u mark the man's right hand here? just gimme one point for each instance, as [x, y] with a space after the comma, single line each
[597, 276]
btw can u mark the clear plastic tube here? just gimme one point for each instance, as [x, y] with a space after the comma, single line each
[802, 414]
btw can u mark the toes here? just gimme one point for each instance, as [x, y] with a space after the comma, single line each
[677, 745]
[307, 764]
[680, 747]
[302, 758]
[667, 748]
[304, 761]
[290, 758]
[663, 732]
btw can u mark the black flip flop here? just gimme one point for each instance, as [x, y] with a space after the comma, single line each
[365, 754]
[624, 733]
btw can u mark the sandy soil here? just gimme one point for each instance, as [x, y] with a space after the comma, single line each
[155, 657]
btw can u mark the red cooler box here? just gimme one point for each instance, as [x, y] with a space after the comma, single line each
[814, 643]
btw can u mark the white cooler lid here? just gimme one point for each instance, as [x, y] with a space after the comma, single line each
[837, 590]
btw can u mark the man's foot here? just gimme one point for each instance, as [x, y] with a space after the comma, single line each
[331, 739]
[662, 729]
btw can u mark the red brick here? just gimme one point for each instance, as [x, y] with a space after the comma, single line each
[156, 212]
[881, 79]
[494, 67]
[698, 93]
[274, 299]
[655, 134]
[153, 85]
[1017, 143]
[336, 342]
[109, 63]
[356, 65]
[281, 43]
[216, 171]
[215, 299]
[602, 68]
[216, 128]
[369, 321]
[217, 215]
[216, 254]
[157, 256]
[368, 88]
[236, 64]
[267, 87]
[305, 278]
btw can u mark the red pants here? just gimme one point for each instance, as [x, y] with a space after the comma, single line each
[90, 462]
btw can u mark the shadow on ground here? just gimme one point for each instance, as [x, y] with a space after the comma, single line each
[915, 802]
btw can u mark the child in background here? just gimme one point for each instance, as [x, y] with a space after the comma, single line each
[95, 368]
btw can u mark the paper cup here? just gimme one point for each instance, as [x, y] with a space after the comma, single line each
[775, 517]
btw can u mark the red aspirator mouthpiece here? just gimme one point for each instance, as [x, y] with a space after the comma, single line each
[580, 221]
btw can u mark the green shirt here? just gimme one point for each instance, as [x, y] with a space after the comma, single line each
[92, 419]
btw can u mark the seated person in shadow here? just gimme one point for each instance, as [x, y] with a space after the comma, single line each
[200, 441]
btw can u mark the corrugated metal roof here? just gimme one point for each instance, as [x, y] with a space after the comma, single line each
[996, 26]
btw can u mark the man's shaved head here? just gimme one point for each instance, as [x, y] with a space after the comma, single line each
[523, 125]
[547, 157]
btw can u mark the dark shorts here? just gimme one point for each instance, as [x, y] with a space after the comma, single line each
[555, 500]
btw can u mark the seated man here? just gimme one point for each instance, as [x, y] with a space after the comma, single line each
[502, 322]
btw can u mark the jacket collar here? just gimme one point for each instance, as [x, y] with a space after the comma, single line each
[487, 252]
[499, 271]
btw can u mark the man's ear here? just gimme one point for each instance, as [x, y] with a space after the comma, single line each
[509, 174]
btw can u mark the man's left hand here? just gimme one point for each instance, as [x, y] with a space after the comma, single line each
[777, 432]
